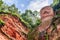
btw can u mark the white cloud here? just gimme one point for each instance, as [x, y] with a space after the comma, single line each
[37, 4]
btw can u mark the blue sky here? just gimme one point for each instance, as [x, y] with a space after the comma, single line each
[22, 5]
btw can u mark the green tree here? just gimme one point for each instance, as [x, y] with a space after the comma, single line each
[1, 2]
[32, 18]
[55, 2]
[56, 5]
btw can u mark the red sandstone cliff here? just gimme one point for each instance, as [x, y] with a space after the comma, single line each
[13, 28]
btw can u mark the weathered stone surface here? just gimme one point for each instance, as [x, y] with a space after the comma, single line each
[13, 28]
[3, 37]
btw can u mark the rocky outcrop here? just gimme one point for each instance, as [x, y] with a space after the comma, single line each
[13, 28]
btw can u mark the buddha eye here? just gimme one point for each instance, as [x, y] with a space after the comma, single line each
[46, 12]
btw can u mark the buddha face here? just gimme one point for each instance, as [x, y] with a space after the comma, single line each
[46, 13]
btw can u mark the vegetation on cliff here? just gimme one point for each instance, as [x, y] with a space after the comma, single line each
[29, 18]
[1, 22]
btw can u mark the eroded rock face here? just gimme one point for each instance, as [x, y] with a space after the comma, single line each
[3, 37]
[13, 28]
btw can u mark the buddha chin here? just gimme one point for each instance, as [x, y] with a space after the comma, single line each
[47, 18]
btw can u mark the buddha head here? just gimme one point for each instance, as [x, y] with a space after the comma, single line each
[46, 13]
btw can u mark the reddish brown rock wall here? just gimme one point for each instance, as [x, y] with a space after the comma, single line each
[13, 27]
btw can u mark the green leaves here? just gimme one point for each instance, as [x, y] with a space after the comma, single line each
[55, 2]
[1, 2]
[1, 22]
[32, 18]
